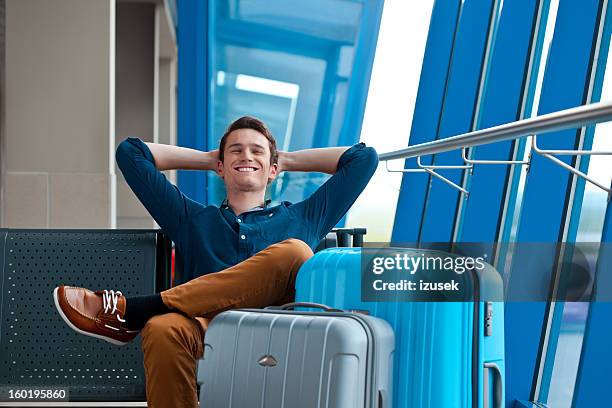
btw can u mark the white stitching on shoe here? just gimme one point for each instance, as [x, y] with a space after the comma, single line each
[110, 297]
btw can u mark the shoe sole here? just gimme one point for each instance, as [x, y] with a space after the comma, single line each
[76, 329]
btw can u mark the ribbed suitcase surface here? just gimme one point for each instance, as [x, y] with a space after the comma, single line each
[296, 360]
[442, 356]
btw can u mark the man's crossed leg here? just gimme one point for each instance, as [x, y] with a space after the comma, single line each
[172, 339]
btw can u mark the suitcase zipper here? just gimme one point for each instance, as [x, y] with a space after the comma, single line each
[475, 339]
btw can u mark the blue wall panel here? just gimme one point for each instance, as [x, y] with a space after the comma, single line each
[427, 111]
[557, 321]
[457, 115]
[547, 190]
[192, 115]
[593, 380]
[501, 103]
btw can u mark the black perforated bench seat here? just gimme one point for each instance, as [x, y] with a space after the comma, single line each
[36, 347]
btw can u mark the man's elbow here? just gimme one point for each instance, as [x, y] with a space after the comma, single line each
[125, 152]
[122, 152]
[372, 159]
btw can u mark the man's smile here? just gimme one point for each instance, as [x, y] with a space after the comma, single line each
[246, 169]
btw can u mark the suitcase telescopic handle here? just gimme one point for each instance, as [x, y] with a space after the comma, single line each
[289, 306]
[382, 399]
[499, 386]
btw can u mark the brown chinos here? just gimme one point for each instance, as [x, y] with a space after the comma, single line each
[173, 342]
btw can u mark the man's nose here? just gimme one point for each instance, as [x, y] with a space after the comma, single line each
[247, 155]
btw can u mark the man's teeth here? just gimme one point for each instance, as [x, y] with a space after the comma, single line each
[243, 169]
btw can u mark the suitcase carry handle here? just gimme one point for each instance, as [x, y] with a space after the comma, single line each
[290, 306]
[498, 386]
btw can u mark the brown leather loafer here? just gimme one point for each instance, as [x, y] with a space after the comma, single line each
[96, 314]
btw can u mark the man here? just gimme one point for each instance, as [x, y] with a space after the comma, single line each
[241, 254]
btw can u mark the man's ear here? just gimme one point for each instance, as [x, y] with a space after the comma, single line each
[220, 168]
[273, 172]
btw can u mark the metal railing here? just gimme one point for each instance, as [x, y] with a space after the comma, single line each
[565, 119]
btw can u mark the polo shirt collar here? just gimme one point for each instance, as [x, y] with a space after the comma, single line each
[225, 206]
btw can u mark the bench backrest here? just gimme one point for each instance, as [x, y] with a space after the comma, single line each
[36, 347]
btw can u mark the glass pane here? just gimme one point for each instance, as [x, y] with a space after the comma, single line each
[511, 233]
[510, 224]
[567, 356]
[289, 64]
[389, 109]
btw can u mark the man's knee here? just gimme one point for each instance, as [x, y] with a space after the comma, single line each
[297, 249]
[171, 332]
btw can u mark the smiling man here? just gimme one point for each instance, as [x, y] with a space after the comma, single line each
[243, 253]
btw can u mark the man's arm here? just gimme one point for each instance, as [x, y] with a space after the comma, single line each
[324, 160]
[169, 157]
[164, 201]
[326, 206]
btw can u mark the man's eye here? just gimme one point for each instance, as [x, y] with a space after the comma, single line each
[258, 152]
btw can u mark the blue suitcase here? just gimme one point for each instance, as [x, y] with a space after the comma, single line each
[447, 354]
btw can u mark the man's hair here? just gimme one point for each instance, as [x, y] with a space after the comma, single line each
[248, 122]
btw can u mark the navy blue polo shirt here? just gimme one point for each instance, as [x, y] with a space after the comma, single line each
[212, 238]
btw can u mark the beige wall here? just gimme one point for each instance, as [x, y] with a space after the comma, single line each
[145, 87]
[81, 76]
[135, 89]
[167, 100]
[58, 113]
[2, 108]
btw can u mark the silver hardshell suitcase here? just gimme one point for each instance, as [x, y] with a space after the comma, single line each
[277, 358]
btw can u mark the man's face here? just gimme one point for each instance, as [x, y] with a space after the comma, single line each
[246, 164]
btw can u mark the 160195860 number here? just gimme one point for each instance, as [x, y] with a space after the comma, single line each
[56, 394]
